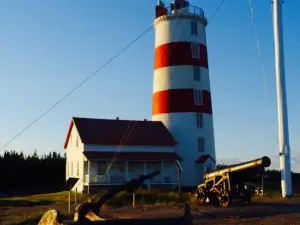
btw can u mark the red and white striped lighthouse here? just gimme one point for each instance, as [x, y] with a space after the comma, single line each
[181, 88]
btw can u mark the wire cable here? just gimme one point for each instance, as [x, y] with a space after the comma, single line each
[79, 85]
[216, 12]
[261, 63]
[121, 145]
[88, 78]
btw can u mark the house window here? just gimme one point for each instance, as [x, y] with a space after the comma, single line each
[201, 144]
[131, 167]
[194, 28]
[199, 119]
[71, 168]
[77, 169]
[102, 167]
[195, 50]
[196, 73]
[198, 97]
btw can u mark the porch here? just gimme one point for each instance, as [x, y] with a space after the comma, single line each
[103, 168]
[106, 172]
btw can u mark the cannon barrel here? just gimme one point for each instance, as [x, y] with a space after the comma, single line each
[261, 162]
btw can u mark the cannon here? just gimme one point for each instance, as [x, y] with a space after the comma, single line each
[224, 184]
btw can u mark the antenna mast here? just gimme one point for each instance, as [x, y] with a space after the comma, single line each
[283, 130]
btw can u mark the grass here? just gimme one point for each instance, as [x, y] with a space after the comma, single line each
[120, 199]
[143, 197]
[34, 200]
[147, 198]
[60, 199]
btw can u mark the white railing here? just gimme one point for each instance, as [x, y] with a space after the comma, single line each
[117, 178]
[95, 179]
[195, 10]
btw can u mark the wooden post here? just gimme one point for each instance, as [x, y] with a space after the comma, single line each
[133, 199]
[179, 181]
[75, 197]
[262, 186]
[126, 171]
[145, 173]
[69, 205]
[162, 172]
[89, 175]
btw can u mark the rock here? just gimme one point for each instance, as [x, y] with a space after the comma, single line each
[49, 218]
[91, 216]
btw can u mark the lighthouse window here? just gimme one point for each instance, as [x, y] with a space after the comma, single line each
[195, 50]
[194, 28]
[201, 144]
[198, 97]
[199, 120]
[196, 73]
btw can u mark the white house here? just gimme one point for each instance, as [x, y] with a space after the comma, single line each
[105, 152]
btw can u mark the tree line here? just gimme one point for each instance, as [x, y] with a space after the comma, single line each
[20, 173]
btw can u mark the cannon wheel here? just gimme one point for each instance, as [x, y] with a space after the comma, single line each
[224, 198]
[201, 195]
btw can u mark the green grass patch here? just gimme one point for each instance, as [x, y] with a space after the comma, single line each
[22, 202]
[147, 198]
[34, 200]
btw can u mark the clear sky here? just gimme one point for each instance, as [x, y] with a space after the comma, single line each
[48, 47]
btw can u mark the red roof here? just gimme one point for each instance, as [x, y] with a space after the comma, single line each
[124, 156]
[204, 158]
[112, 132]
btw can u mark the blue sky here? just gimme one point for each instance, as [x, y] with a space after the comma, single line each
[48, 47]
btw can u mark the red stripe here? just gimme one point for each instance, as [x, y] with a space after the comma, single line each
[180, 100]
[177, 54]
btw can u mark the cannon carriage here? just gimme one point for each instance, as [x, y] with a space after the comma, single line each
[228, 183]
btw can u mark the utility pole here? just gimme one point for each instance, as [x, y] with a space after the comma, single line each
[283, 128]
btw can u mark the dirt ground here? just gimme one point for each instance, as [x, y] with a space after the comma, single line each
[267, 211]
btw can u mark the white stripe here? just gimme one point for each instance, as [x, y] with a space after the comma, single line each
[178, 30]
[184, 130]
[180, 77]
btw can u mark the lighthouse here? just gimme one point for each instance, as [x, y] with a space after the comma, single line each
[181, 86]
